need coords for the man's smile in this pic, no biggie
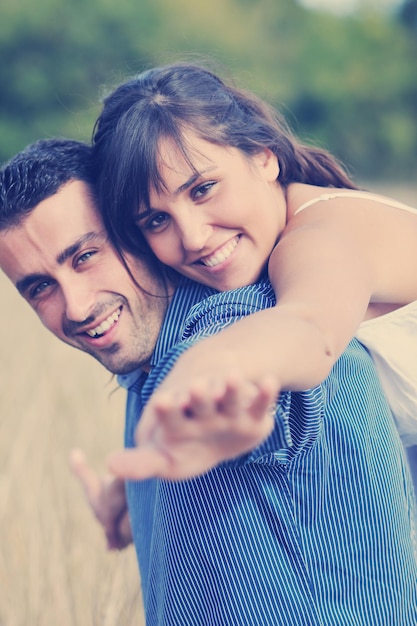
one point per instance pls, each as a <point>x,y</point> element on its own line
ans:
<point>105,325</point>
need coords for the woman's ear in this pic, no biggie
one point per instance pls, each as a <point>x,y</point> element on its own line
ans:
<point>268,165</point>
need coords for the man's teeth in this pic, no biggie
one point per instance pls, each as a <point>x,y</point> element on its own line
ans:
<point>220,255</point>
<point>105,325</point>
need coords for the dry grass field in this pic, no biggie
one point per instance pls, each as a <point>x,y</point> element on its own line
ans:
<point>54,569</point>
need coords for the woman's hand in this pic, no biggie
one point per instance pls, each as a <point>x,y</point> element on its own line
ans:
<point>178,438</point>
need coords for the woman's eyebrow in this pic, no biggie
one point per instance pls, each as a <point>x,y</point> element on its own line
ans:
<point>141,216</point>
<point>190,182</point>
<point>186,185</point>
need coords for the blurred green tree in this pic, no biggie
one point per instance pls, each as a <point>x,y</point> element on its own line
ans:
<point>56,57</point>
<point>349,84</point>
<point>408,15</point>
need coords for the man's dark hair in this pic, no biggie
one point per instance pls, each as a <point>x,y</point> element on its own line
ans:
<point>38,172</point>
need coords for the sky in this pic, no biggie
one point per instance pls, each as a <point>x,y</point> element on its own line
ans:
<point>345,7</point>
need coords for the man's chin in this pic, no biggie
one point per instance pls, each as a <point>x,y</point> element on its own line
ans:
<point>117,367</point>
<point>124,369</point>
<point>113,360</point>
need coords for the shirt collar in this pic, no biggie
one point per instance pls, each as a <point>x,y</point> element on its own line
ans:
<point>187,294</point>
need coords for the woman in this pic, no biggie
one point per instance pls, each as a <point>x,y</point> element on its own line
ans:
<point>212,180</point>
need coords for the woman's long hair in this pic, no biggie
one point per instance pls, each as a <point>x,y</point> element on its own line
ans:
<point>162,103</point>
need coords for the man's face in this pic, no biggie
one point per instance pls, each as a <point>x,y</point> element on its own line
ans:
<point>62,263</point>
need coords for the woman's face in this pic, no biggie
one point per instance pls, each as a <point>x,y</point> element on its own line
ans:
<point>216,222</point>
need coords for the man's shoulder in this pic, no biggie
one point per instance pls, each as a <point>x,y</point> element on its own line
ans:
<point>207,317</point>
<point>228,304</point>
<point>187,294</point>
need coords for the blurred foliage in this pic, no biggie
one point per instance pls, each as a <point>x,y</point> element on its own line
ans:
<point>349,84</point>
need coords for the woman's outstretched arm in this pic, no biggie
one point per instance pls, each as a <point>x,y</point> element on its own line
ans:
<point>325,271</point>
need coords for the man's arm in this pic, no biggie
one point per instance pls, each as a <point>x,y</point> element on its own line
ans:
<point>107,499</point>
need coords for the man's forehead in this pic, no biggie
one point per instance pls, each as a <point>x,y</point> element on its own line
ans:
<point>73,200</point>
<point>51,232</point>
<point>63,216</point>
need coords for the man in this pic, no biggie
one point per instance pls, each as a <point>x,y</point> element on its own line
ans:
<point>117,322</point>
<point>311,526</point>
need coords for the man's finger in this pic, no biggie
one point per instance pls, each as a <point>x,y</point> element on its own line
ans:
<point>120,536</point>
<point>89,480</point>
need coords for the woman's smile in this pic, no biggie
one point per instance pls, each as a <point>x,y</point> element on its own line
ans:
<point>215,221</point>
<point>221,254</point>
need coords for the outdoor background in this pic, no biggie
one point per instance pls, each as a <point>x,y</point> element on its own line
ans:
<point>344,73</point>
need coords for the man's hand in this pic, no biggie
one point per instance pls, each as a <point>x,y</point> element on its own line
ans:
<point>181,438</point>
<point>107,499</point>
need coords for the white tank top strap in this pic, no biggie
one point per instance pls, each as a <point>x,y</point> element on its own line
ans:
<point>352,193</point>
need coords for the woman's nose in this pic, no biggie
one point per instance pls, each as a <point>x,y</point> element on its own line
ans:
<point>194,235</point>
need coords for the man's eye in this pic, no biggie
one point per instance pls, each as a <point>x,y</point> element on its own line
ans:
<point>36,290</point>
<point>82,258</point>
<point>202,190</point>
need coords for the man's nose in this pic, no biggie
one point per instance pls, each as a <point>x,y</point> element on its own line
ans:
<point>79,299</point>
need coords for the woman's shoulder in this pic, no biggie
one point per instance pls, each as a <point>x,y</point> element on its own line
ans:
<point>301,197</point>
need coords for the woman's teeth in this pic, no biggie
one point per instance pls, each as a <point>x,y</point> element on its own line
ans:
<point>220,255</point>
<point>105,325</point>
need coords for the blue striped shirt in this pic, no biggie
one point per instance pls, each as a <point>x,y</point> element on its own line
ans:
<point>313,527</point>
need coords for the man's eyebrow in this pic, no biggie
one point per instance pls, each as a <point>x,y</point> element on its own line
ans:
<point>74,247</point>
<point>24,283</point>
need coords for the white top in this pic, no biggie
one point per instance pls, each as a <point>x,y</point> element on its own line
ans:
<point>391,340</point>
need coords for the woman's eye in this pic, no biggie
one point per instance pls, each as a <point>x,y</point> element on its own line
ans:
<point>156,222</point>
<point>202,190</point>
